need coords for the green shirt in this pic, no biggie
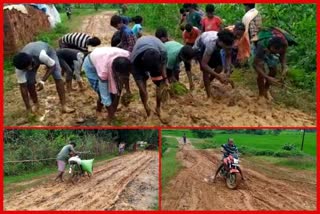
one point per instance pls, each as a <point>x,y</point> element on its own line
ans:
<point>173,49</point>
<point>64,153</point>
<point>195,19</point>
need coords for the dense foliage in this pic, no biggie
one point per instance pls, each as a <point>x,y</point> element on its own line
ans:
<point>43,144</point>
<point>298,19</point>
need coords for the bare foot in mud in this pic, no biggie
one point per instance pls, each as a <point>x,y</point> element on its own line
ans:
<point>80,120</point>
<point>66,109</point>
<point>268,96</point>
<point>101,116</point>
<point>81,86</point>
<point>165,119</point>
<point>148,111</point>
<point>35,108</point>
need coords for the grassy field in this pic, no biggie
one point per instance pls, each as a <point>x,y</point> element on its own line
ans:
<point>267,141</point>
<point>47,171</point>
<point>170,165</point>
<point>271,142</point>
<point>50,37</point>
<point>267,147</point>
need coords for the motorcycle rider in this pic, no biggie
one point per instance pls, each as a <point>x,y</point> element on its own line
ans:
<point>227,149</point>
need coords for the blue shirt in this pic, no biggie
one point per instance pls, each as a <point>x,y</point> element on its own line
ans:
<point>137,28</point>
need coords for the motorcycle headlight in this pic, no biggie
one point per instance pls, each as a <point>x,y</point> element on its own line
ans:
<point>236,161</point>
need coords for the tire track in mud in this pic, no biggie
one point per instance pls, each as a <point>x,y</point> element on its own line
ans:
<point>260,191</point>
<point>100,192</point>
<point>238,107</point>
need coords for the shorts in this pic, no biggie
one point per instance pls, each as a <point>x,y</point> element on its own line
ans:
<point>67,68</point>
<point>271,60</point>
<point>56,74</point>
<point>139,72</point>
<point>215,59</point>
<point>101,87</point>
<point>61,165</point>
<point>174,72</point>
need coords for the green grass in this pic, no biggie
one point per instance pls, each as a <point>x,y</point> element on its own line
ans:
<point>49,170</point>
<point>50,37</point>
<point>269,148</point>
<point>301,74</point>
<point>304,163</point>
<point>178,133</point>
<point>256,142</point>
<point>170,164</point>
<point>29,176</point>
<point>291,96</point>
<point>156,204</point>
<point>271,142</point>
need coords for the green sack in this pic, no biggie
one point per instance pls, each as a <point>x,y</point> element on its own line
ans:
<point>87,165</point>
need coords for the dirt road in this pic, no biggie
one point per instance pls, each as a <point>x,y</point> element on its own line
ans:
<point>265,187</point>
<point>129,182</point>
<point>238,107</point>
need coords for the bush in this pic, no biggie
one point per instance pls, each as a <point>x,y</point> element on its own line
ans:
<point>289,147</point>
<point>285,154</point>
<point>203,133</point>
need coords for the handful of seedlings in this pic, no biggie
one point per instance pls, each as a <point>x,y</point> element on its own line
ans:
<point>178,89</point>
<point>164,92</point>
<point>126,99</point>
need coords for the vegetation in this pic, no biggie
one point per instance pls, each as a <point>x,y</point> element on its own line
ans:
<point>44,144</point>
<point>281,147</point>
<point>170,164</point>
<point>298,19</point>
<point>50,37</point>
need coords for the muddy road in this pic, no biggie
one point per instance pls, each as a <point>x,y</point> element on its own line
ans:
<point>265,187</point>
<point>129,182</point>
<point>238,107</point>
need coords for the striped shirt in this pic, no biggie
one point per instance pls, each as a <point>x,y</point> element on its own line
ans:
<point>78,40</point>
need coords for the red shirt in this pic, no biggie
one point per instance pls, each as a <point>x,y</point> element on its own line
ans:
<point>192,36</point>
<point>213,24</point>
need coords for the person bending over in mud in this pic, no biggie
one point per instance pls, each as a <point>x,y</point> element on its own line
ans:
<point>149,57</point>
<point>162,34</point>
<point>26,64</point>
<point>208,47</point>
<point>79,41</point>
<point>227,149</point>
<point>176,53</point>
<point>137,27</point>
<point>240,52</point>
<point>271,49</point>
<point>71,62</point>
<point>128,39</point>
<point>66,152</point>
<point>107,70</point>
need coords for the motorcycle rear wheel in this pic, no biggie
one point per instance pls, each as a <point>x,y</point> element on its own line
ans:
<point>231,180</point>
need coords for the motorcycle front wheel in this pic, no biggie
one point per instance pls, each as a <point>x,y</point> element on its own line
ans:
<point>231,180</point>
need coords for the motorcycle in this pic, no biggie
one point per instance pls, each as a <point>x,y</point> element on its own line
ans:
<point>229,170</point>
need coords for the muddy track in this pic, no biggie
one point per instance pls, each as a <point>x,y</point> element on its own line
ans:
<point>238,107</point>
<point>107,189</point>
<point>268,189</point>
